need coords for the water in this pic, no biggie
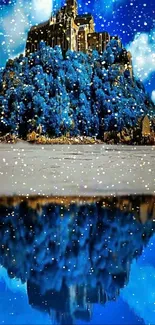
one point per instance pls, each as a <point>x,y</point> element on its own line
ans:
<point>76,170</point>
<point>77,260</point>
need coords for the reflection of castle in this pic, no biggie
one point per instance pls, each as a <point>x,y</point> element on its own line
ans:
<point>68,30</point>
<point>68,304</point>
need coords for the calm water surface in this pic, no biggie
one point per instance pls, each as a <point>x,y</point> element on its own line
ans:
<point>76,169</point>
<point>77,261</point>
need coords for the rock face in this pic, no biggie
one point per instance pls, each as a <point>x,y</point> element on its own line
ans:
<point>138,135</point>
<point>79,94</point>
<point>80,251</point>
<point>34,137</point>
<point>8,138</point>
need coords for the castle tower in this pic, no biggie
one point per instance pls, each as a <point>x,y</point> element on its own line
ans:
<point>72,7</point>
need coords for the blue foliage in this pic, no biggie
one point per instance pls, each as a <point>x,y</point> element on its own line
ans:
<point>77,94</point>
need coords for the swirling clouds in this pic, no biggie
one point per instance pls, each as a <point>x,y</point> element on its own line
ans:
<point>143,56</point>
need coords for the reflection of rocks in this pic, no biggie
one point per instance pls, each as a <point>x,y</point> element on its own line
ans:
<point>142,205</point>
<point>73,255</point>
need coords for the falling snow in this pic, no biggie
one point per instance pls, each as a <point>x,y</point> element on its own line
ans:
<point>77,223</point>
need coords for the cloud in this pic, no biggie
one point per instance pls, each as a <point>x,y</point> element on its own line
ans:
<point>15,26</point>
<point>153,96</point>
<point>143,54</point>
<point>18,310</point>
<point>139,293</point>
<point>42,9</point>
<point>15,22</point>
<point>13,284</point>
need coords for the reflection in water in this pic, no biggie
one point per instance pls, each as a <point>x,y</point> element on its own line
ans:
<point>73,253</point>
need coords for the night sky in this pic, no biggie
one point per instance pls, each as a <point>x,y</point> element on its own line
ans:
<point>132,20</point>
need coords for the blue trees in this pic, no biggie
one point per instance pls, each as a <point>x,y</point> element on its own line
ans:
<point>51,120</point>
<point>79,94</point>
<point>108,56</point>
<point>4,116</point>
<point>84,116</point>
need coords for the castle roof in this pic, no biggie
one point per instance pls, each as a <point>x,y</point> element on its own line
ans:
<point>83,19</point>
<point>44,24</point>
<point>84,15</point>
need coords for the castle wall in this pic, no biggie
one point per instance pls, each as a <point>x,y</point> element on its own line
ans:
<point>74,36</point>
<point>98,41</point>
<point>83,38</point>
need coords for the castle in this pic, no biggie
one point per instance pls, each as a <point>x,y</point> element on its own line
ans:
<point>69,30</point>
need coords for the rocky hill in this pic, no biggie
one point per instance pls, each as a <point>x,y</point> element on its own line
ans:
<point>78,94</point>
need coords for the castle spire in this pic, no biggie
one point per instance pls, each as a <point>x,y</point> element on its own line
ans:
<point>72,6</point>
